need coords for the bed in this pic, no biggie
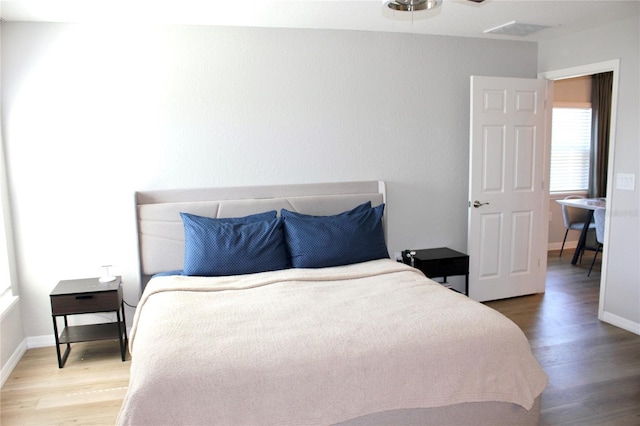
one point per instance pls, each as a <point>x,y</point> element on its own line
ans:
<point>350,338</point>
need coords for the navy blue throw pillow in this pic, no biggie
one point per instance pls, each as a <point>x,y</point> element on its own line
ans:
<point>217,247</point>
<point>322,241</point>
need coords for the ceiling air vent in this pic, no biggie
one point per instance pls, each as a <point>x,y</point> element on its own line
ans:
<point>514,28</point>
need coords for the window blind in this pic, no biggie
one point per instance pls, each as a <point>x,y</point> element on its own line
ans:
<point>570,149</point>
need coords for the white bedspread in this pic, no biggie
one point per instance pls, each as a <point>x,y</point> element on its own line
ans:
<point>317,346</point>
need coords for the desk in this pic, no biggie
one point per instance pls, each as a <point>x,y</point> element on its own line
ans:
<point>589,204</point>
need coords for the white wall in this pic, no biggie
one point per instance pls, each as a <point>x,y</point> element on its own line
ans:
<point>92,114</point>
<point>620,40</point>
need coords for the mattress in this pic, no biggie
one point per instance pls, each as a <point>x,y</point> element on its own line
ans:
<point>319,346</point>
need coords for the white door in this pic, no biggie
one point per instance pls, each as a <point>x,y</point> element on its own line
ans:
<point>508,199</point>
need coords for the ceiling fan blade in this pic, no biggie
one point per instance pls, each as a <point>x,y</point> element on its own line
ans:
<point>476,1</point>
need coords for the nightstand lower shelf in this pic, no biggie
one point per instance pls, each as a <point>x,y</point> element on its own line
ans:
<point>88,333</point>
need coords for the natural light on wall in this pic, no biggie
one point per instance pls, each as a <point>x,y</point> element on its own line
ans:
<point>74,90</point>
<point>95,95</point>
<point>570,149</point>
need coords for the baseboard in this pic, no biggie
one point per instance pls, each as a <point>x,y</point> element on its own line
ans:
<point>569,245</point>
<point>620,322</point>
<point>41,341</point>
<point>12,362</point>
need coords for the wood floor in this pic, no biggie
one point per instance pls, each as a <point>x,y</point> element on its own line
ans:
<point>593,368</point>
<point>87,391</point>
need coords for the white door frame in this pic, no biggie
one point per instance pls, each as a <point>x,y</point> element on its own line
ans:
<point>589,69</point>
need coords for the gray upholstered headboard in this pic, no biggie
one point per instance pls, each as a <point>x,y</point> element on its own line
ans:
<point>160,229</point>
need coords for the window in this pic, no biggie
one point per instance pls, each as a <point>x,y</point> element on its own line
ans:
<point>570,149</point>
<point>7,297</point>
<point>5,277</point>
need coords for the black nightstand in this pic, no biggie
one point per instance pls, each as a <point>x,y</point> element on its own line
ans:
<point>86,296</point>
<point>440,262</point>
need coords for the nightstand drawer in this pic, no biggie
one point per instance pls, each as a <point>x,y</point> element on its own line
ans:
<point>83,303</point>
<point>443,267</point>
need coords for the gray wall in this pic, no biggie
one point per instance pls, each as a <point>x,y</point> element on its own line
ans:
<point>620,40</point>
<point>91,115</point>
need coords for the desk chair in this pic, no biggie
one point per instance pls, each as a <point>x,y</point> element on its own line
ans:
<point>573,219</point>
<point>598,217</point>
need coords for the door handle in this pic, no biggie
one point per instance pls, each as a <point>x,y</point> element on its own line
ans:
<point>477,204</point>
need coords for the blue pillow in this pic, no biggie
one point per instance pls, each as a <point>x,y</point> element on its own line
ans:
<point>322,241</point>
<point>167,273</point>
<point>216,247</point>
<point>359,209</point>
<point>244,219</point>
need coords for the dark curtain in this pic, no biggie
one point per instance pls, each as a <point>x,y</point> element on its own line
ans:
<point>601,88</point>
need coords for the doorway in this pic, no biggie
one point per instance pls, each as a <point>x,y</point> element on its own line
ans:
<point>590,69</point>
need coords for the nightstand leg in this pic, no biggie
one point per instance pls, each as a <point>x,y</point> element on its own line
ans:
<point>466,284</point>
<point>122,322</point>
<point>126,338</point>
<point>64,356</point>
<point>120,339</point>
<point>61,358</point>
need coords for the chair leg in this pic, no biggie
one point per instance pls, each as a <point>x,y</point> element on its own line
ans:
<point>594,259</point>
<point>585,246</point>
<point>563,241</point>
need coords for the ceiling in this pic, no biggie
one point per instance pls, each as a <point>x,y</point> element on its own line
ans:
<point>454,17</point>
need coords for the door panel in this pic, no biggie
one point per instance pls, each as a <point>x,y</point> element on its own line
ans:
<point>490,253</point>
<point>524,154</point>
<point>506,175</point>
<point>493,176</point>
<point>521,240</point>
